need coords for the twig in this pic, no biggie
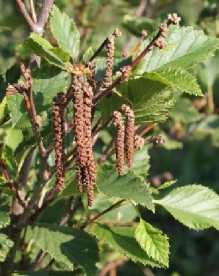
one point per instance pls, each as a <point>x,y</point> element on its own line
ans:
<point>33,12</point>
<point>26,15</point>
<point>112,265</point>
<point>103,212</point>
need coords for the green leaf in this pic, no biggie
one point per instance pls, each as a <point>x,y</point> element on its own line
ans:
<point>188,48</point>
<point>141,163</point>
<point>150,99</point>
<point>65,32</point>
<point>41,47</point>
<point>66,245</point>
<point>3,109</point>
<point>195,206</point>
<point>87,55</point>
<point>128,186</point>
<point>153,242</point>
<point>4,215</point>
<point>5,245</point>
<point>123,239</point>
<point>179,78</point>
<point>47,82</point>
<point>18,112</point>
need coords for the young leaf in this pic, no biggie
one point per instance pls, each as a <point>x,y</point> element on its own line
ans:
<point>66,245</point>
<point>41,47</point>
<point>4,215</point>
<point>141,162</point>
<point>150,100</point>
<point>167,184</point>
<point>3,109</point>
<point>153,242</point>
<point>195,206</point>
<point>128,186</point>
<point>189,47</point>
<point>65,32</point>
<point>87,55</point>
<point>123,239</point>
<point>5,245</point>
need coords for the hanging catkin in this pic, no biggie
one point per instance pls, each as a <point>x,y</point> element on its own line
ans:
<point>119,142</point>
<point>129,134</point>
<point>58,139</point>
<point>85,165</point>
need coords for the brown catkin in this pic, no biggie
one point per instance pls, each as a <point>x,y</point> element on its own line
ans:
<point>139,142</point>
<point>129,134</point>
<point>119,142</point>
<point>58,139</point>
<point>85,164</point>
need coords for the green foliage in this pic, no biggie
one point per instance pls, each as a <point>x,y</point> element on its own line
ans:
<point>66,245</point>
<point>56,229</point>
<point>198,210</point>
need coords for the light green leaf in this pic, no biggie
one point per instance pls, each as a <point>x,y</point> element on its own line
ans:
<point>4,215</point>
<point>41,47</point>
<point>179,78</point>
<point>195,206</point>
<point>3,109</point>
<point>153,242</point>
<point>66,245</point>
<point>167,184</point>
<point>123,239</point>
<point>150,99</point>
<point>189,47</point>
<point>5,245</point>
<point>128,186</point>
<point>65,32</point>
<point>87,55</point>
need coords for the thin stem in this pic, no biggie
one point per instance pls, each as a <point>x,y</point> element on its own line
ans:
<point>32,11</point>
<point>103,212</point>
<point>25,14</point>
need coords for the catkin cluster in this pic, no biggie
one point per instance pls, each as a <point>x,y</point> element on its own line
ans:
<point>58,139</point>
<point>85,165</point>
<point>124,142</point>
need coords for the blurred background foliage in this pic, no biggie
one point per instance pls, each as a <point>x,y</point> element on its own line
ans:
<point>192,130</point>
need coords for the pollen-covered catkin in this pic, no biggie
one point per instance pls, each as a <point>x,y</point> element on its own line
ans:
<point>139,142</point>
<point>129,134</point>
<point>58,139</point>
<point>119,142</point>
<point>85,164</point>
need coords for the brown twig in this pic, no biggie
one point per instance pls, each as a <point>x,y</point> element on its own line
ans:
<point>26,15</point>
<point>112,265</point>
<point>32,11</point>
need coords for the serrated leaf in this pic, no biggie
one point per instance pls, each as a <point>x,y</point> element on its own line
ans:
<point>18,112</point>
<point>65,32</point>
<point>41,47</point>
<point>153,242</point>
<point>195,206</point>
<point>87,55</point>
<point>66,245</point>
<point>5,245</point>
<point>47,82</point>
<point>179,78</point>
<point>4,215</point>
<point>123,239</point>
<point>141,163</point>
<point>167,184</point>
<point>150,100</point>
<point>189,48</point>
<point>128,186</point>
